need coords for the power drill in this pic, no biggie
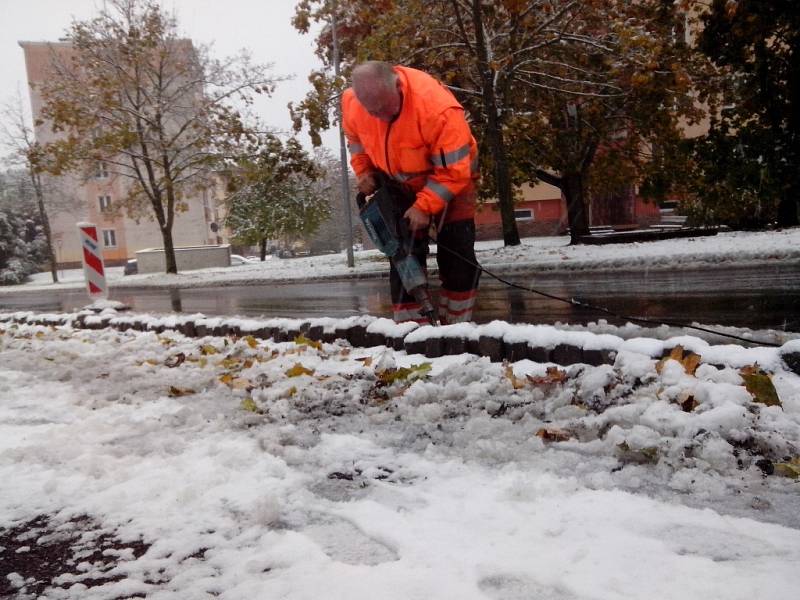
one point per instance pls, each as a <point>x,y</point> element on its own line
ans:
<point>382,216</point>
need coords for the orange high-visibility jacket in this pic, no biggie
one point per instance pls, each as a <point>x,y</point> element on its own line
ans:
<point>429,146</point>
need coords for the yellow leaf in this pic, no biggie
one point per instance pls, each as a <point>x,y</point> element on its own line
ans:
<point>207,349</point>
<point>39,334</point>
<point>226,378</point>
<point>516,382</point>
<point>789,469</point>
<point>176,391</point>
<point>302,340</point>
<point>367,360</point>
<point>298,370</point>
<point>291,391</point>
<point>389,376</point>
<point>251,341</point>
<point>152,361</point>
<point>230,363</point>
<point>760,386</point>
<point>250,405</point>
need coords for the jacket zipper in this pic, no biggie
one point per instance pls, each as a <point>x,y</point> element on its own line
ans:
<point>386,147</point>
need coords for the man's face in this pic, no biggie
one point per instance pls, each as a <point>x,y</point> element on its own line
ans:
<point>383,103</point>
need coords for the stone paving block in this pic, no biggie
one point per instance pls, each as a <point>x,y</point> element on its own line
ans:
<point>455,345</point>
<point>434,347</point>
<point>491,347</point>
<point>567,354</point>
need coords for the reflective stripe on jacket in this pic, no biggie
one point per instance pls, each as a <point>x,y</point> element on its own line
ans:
<point>429,146</point>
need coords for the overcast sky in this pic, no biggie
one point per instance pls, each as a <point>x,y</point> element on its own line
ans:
<point>261,26</point>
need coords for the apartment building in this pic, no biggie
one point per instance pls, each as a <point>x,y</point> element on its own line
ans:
<point>96,195</point>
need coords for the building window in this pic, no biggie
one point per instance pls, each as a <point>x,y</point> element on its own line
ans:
<point>523,214</point>
<point>105,203</point>
<point>109,238</point>
<point>102,170</point>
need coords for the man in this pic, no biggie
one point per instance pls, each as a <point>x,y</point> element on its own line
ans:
<point>404,124</point>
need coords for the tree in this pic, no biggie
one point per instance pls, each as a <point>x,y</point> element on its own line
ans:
<point>550,85</point>
<point>154,108</point>
<point>22,245</point>
<point>25,152</point>
<point>275,195</point>
<point>754,99</point>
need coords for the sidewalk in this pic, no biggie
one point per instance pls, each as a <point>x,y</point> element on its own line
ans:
<point>541,254</point>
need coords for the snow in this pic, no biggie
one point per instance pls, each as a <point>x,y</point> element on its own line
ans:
<point>537,254</point>
<point>338,486</point>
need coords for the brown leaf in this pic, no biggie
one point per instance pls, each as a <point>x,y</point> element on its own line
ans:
<point>689,403</point>
<point>553,375</point>
<point>175,391</point>
<point>553,434</point>
<point>367,360</point>
<point>174,361</point>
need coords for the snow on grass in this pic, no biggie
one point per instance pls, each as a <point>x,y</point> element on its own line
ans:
<point>537,253</point>
<point>282,470</point>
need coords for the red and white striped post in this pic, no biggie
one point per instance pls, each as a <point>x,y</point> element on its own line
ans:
<point>93,269</point>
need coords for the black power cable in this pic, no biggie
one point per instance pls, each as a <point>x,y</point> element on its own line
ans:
<point>586,305</point>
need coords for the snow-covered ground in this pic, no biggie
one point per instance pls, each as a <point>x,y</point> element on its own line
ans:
<point>236,468</point>
<point>534,254</point>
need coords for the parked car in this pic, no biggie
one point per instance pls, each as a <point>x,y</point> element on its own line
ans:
<point>131,267</point>
<point>237,260</point>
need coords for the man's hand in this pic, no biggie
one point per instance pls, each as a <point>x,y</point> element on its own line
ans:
<point>417,219</point>
<point>366,184</point>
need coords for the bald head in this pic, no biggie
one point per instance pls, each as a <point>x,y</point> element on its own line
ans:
<point>377,87</point>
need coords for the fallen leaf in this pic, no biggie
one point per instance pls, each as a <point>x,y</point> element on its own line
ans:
<point>553,434</point>
<point>516,382</point>
<point>251,341</point>
<point>367,360</point>
<point>298,370</point>
<point>789,469</point>
<point>175,391</point>
<point>689,403</point>
<point>302,340</point>
<point>250,405</point>
<point>552,375</point>
<point>291,391</point>
<point>230,363</point>
<point>207,349</point>
<point>641,456</point>
<point>174,361</point>
<point>152,361</point>
<point>760,386</point>
<point>389,376</point>
<point>226,378</point>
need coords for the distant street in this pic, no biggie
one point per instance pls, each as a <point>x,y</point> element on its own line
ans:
<point>758,298</point>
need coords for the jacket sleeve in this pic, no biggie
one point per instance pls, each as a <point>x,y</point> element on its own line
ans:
<point>359,160</point>
<point>452,153</point>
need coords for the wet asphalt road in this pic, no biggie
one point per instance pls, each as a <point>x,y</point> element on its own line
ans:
<point>758,298</point>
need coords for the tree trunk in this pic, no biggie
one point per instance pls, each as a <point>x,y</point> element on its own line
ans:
<point>48,236</point>
<point>576,207</point>
<point>169,250</point>
<point>787,209</point>
<point>494,133</point>
<point>262,245</point>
